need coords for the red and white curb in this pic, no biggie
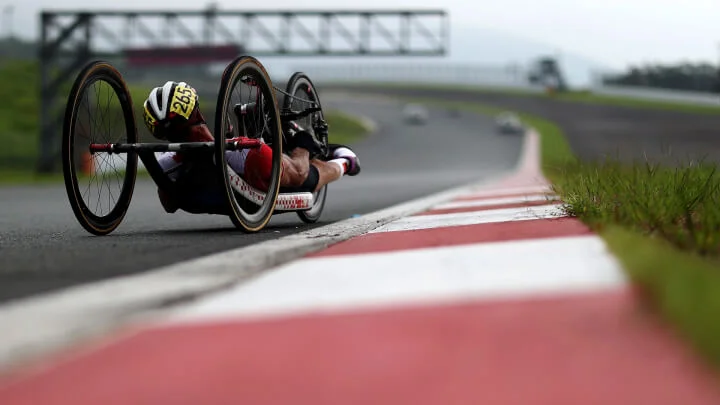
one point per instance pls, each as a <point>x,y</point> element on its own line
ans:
<point>492,297</point>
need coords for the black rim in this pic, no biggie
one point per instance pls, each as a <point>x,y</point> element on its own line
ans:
<point>99,185</point>
<point>245,81</point>
<point>301,94</point>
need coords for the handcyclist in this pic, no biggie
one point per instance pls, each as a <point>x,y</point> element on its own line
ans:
<point>172,113</point>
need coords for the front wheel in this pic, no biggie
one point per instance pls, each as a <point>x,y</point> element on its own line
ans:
<point>99,185</point>
<point>300,95</point>
<point>245,84</point>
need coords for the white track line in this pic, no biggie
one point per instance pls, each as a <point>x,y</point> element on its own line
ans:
<point>496,201</point>
<point>472,218</point>
<point>509,191</point>
<point>481,271</point>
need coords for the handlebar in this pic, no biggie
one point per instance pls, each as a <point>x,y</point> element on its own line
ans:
<point>285,113</point>
<point>289,114</point>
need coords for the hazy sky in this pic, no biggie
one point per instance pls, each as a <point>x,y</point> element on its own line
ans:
<point>616,32</point>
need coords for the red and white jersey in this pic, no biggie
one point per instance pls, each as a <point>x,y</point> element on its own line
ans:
<point>254,165</point>
<point>171,161</point>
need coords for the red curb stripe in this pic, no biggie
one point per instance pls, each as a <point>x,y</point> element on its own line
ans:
<point>487,207</point>
<point>594,349</point>
<point>457,235</point>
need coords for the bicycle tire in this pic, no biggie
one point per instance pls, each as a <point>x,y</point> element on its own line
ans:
<point>98,71</point>
<point>248,65</point>
<point>300,81</point>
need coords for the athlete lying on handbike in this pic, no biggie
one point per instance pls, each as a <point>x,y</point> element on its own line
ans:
<point>197,190</point>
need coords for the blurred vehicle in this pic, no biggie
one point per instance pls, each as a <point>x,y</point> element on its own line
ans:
<point>414,113</point>
<point>509,123</point>
<point>453,112</point>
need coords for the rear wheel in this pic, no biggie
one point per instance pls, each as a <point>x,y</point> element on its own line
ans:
<point>245,82</point>
<point>99,185</point>
<point>301,94</point>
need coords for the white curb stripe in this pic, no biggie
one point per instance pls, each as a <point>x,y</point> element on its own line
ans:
<point>480,271</point>
<point>501,192</point>
<point>472,218</point>
<point>497,201</point>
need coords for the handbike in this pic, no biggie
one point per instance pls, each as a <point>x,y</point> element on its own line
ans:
<point>100,97</point>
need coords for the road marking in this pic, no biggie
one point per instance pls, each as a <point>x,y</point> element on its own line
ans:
<point>471,218</point>
<point>522,198</point>
<point>503,192</point>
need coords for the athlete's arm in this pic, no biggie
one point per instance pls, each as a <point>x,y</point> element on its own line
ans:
<point>295,168</point>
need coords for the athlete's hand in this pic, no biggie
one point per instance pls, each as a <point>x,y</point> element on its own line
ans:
<point>303,139</point>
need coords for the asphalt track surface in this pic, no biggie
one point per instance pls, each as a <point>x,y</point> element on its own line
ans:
<point>596,131</point>
<point>43,248</point>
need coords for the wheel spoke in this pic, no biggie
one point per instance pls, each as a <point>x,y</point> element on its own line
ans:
<point>100,190</point>
<point>245,81</point>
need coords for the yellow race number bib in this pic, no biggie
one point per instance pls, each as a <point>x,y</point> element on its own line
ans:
<point>183,101</point>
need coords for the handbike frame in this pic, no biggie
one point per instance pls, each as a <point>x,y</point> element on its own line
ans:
<point>117,148</point>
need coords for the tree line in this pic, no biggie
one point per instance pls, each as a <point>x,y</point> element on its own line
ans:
<point>703,77</point>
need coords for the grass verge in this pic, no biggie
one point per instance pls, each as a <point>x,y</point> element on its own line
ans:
<point>588,97</point>
<point>10,177</point>
<point>19,114</point>
<point>678,205</point>
<point>344,128</point>
<point>682,287</point>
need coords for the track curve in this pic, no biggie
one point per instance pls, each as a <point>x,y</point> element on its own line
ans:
<point>597,131</point>
<point>42,248</point>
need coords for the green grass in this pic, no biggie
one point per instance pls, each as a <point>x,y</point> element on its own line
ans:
<point>19,106</point>
<point>680,205</point>
<point>344,128</point>
<point>20,177</point>
<point>681,287</point>
<point>586,97</point>
<point>19,126</point>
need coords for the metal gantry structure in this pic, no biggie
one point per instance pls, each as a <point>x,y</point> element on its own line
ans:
<point>69,39</point>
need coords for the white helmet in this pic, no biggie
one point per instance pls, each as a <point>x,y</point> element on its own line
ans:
<point>172,104</point>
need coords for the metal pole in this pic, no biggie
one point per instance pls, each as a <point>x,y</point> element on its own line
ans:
<point>8,20</point>
<point>45,163</point>
<point>718,69</point>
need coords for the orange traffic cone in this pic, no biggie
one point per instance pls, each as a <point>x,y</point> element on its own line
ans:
<point>88,164</point>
